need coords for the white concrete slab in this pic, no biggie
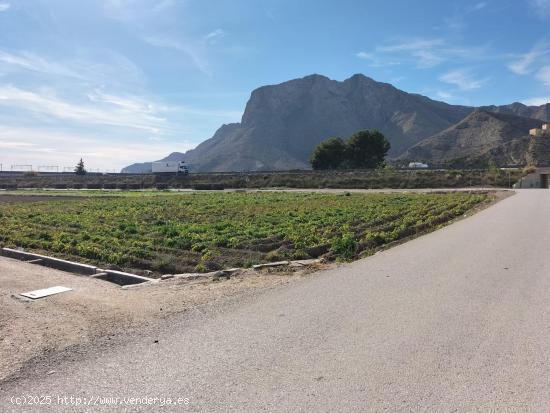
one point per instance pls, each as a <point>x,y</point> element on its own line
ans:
<point>45,292</point>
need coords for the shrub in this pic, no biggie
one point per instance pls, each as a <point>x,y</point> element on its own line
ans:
<point>344,247</point>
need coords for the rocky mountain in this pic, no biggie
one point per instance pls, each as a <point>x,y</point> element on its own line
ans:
<point>283,123</point>
<point>479,138</point>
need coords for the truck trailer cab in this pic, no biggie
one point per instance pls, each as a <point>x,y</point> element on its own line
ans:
<point>170,167</point>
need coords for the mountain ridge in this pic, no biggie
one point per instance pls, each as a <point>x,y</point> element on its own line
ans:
<point>283,123</point>
<point>481,137</point>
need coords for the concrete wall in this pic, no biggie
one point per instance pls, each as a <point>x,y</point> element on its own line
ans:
<point>533,180</point>
<point>528,181</point>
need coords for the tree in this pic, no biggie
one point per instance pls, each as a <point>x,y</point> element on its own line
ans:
<point>366,149</point>
<point>79,169</point>
<point>329,154</point>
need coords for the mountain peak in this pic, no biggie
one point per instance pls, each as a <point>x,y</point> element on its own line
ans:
<point>479,113</point>
<point>315,76</point>
<point>360,77</point>
<point>283,123</point>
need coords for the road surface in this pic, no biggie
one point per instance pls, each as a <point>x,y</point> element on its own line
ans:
<point>457,320</point>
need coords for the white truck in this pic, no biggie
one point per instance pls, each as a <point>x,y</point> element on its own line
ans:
<point>418,165</point>
<point>170,167</point>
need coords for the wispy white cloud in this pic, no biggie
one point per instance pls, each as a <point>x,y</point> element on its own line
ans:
<point>453,96</point>
<point>171,43</point>
<point>105,68</point>
<point>215,36</point>
<point>93,93</point>
<point>444,95</point>
<point>110,95</point>
<point>38,126</point>
<point>425,53</point>
<point>365,55</point>
<point>412,45</point>
<point>4,7</point>
<point>459,19</point>
<point>477,7</point>
<point>114,114</point>
<point>136,10</point>
<point>544,75</point>
<point>376,60</point>
<point>139,105</point>
<point>540,7</point>
<point>536,101</point>
<point>463,79</point>
<point>153,22</point>
<point>31,62</point>
<point>397,79</point>
<point>523,64</point>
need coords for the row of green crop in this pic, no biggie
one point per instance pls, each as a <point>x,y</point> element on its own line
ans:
<point>201,229</point>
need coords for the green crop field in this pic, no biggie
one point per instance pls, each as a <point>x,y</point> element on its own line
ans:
<point>208,231</point>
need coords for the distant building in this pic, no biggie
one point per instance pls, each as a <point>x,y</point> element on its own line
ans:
<point>538,157</point>
<point>543,131</point>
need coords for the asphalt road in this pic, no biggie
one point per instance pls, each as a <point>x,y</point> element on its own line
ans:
<point>457,320</point>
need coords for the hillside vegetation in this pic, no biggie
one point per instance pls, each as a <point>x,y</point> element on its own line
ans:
<point>481,138</point>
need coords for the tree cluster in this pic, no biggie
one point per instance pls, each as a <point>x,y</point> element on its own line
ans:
<point>365,149</point>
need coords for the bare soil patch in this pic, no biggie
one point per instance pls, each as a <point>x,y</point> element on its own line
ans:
<point>99,310</point>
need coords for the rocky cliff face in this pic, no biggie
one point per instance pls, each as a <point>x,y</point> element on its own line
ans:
<point>283,123</point>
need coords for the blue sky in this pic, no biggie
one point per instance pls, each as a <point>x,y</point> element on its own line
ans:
<point>118,81</point>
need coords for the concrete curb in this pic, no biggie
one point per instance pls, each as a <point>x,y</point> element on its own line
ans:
<point>127,280</point>
<point>143,284</point>
<point>59,264</point>
<point>116,277</point>
<point>123,278</point>
<point>229,272</point>
<point>195,276</point>
<point>271,264</point>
